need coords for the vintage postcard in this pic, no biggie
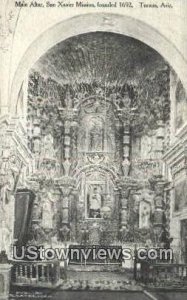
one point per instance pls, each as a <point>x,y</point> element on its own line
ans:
<point>93,149</point>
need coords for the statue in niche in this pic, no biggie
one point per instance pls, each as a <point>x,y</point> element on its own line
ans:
<point>47,211</point>
<point>126,164</point>
<point>9,176</point>
<point>48,156</point>
<point>48,150</point>
<point>66,166</point>
<point>68,101</point>
<point>9,172</point>
<point>65,233</point>
<point>181,101</point>
<point>95,201</point>
<point>144,214</point>
<point>96,135</point>
<point>147,147</point>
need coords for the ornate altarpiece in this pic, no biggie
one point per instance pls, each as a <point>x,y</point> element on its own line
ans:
<point>95,164</point>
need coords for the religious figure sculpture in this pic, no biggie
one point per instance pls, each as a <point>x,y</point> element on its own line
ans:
<point>48,151</point>
<point>47,211</point>
<point>144,214</point>
<point>48,156</point>
<point>95,202</point>
<point>65,233</point>
<point>67,166</point>
<point>68,101</point>
<point>96,135</point>
<point>126,166</point>
<point>9,172</point>
<point>147,147</point>
<point>9,175</point>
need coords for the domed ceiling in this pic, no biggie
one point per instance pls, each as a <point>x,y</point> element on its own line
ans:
<point>103,64</point>
<point>100,57</point>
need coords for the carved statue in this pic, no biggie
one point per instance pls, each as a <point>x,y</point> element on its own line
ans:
<point>67,166</point>
<point>68,101</point>
<point>95,202</point>
<point>96,135</point>
<point>126,166</point>
<point>147,147</point>
<point>145,217</point>
<point>37,211</point>
<point>65,233</point>
<point>9,172</point>
<point>48,150</point>
<point>47,211</point>
<point>145,207</point>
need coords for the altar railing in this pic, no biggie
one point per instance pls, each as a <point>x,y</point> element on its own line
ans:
<point>162,274</point>
<point>36,274</point>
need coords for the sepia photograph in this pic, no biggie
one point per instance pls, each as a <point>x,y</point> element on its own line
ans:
<point>93,150</point>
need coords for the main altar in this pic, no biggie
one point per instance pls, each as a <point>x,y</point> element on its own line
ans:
<point>98,165</point>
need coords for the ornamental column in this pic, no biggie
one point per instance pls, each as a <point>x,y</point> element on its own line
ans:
<point>126,185</point>
<point>159,209</point>
<point>126,150</point>
<point>124,203</point>
<point>69,116</point>
<point>66,185</point>
<point>36,141</point>
<point>67,139</point>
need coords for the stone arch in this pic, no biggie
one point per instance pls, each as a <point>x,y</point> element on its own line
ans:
<point>93,22</point>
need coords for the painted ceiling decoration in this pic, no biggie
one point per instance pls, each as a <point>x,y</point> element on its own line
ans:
<point>100,58</point>
<point>126,72</point>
